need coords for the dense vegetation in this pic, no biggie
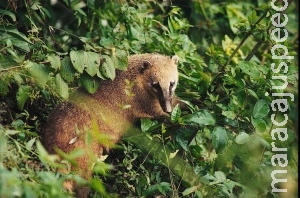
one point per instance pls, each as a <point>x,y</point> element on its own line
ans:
<point>222,145</point>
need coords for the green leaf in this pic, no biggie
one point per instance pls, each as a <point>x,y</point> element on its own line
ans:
<point>235,14</point>
<point>252,93</point>
<point>261,109</point>
<point>61,87</point>
<point>229,114</point>
<point>39,73</point>
<point>8,13</point>
<point>242,138</point>
<point>11,132</point>
<point>259,124</point>
<point>108,68</point>
<point>30,143</point>
<point>13,31</point>
<point>91,84</point>
<point>162,187</point>
<point>176,113</point>
<point>250,69</point>
<point>90,61</point>
<point>22,95</point>
<point>148,125</point>
<point>189,190</point>
<point>202,117</point>
<point>220,176</point>
<point>120,59</point>
<point>219,138</point>
<point>17,123</point>
<point>15,41</point>
<point>54,61</point>
<point>67,71</point>
<point>97,185</point>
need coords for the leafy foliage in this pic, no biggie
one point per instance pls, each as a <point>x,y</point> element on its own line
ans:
<point>210,149</point>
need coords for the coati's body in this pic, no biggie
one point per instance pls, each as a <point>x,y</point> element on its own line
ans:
<point>144,90</point>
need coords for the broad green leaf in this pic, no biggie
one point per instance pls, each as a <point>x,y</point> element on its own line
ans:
<point>12,132</point>
<point>22,95</point>
<point>202,117</point>
<point>120,59</point>
<point>181,138</point>
<point>189,190</point>
<point>176,113</point>
<point>91,84</point>
<point>54,61</point>
<point>17,123</point>
<point>172,155</point>
<point>252,93</point>
<point>15,41</point>
<point>97,185</point>
<point>13,31</point>
<point>30,143</point>
<point>259,124</point>
<point>162,187</point>
<point>242,138</point>
<point>260,110</point>
<point>220,176</point>
<point>108,68</point>
<point>147,124</point>
<point>77,59</point>
<point>250,69</point>
<point>39,73</point>
<point>8,13</point>
<point>235,14</point>
<point>61,87</point>
<point>219,138</point>
<point>67,71</point>
<point>229,114</point>
<point>88,61</point>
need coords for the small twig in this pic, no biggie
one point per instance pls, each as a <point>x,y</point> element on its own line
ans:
<point>254,50</point>
<point>11,68</point>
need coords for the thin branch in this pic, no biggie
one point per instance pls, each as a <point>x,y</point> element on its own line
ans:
<point>254,50</point>
<point>11,68</point>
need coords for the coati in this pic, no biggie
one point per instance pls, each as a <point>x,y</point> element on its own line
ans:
<point>144,90</point>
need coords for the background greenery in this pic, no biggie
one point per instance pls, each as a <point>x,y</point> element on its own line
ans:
<point>222,141</point>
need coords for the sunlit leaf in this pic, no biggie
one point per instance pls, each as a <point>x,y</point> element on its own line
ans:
<point>23,95</point>
<point>108,68</point>
<point>242,138</point>
<point>88,61</point>
<point>202,117</point>
<point>67,71</point>
<point>261,109</point>
<point>54,61</point>
<point>91,84</point>
<point>175,114</point>
<point>61,87</point>
<point>39,73</point>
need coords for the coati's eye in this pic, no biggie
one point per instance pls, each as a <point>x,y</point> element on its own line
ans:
<point>172,83</point>
<point>155,85</point>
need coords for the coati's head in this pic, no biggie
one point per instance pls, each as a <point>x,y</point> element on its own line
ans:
<point>159,76</point>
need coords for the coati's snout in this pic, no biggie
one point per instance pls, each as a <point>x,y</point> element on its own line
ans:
<point>165,96</point>
<point>162,78</point>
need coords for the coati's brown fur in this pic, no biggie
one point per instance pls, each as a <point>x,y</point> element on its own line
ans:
<point>144,90</point>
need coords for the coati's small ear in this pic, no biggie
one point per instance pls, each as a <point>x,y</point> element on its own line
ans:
<point>175,59</point>
<point>145,65</point>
